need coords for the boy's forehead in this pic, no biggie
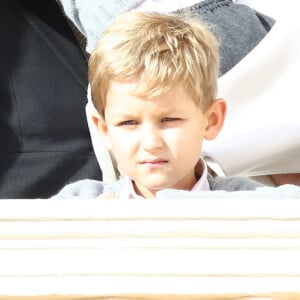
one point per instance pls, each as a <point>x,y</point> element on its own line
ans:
<point>124,85</point>
<point>129,86</point>
<point>121,101</point>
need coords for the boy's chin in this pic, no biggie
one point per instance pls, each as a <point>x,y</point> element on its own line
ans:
<point>152,188</point>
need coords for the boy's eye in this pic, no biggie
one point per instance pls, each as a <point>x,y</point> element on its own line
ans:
<point>127,123</point>
<point>168,119</point>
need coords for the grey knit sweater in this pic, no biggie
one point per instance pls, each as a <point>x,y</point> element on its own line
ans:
<point>221,187</point>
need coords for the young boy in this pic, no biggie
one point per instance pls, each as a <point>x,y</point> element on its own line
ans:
<point>153,80</point>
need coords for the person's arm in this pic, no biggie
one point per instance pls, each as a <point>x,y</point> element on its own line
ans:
<point>91,17</point>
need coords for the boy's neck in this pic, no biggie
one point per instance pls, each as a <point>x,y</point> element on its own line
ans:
<point>144,192</point>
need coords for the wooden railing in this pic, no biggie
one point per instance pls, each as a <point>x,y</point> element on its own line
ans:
<point>161,249</point>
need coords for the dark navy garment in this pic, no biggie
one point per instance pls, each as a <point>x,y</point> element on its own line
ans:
<point>44,137</point>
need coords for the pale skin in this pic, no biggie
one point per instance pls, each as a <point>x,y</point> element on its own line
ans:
<point>157,141</point>
<point>280,179</point>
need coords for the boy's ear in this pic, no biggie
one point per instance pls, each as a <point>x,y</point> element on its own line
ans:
<point>215,118</point>
<point>102,130</point>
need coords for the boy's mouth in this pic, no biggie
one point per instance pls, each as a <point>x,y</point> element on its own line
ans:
<point>154,161</point>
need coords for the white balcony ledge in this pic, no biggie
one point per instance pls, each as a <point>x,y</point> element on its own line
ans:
<point>161,249</point>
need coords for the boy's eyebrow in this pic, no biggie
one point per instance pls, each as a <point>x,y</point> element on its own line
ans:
<point>162,112</point>
<point>120,114</point>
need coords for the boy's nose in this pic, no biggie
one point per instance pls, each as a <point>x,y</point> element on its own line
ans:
<point>151,138</point>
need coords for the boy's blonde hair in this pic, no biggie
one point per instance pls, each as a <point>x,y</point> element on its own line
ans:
<point>161,51</point>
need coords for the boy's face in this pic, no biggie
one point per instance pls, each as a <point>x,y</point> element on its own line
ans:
<point>156,142</point>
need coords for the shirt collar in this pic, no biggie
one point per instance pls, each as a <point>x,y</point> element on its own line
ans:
<point>202,184</point>
<point>128,191</point>
<point>201,173</point>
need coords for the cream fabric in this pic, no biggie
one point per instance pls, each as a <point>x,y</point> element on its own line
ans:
<point>261,135</point>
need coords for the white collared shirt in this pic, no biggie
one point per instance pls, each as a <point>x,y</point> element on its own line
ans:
<point>202,184</point>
